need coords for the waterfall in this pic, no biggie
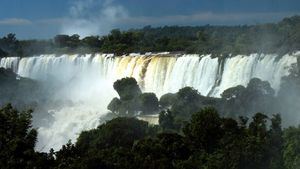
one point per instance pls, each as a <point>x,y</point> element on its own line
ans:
<point>87,80</point>
<point>9,63</point>
<point>158,73</point>
<point>240,69</point>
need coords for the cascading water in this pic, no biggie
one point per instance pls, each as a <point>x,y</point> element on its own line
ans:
<point>87,81</point>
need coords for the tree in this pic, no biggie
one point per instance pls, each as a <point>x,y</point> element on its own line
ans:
<point>127,88</point>
<point>131,100</point>
<point>258,96</point>
<point>66,41</point>
<point>166,120</point>
<point>92,42</point>
<point>3,53</point>
<point>291,150</point>
<point>11,45</point>
<point>119,132</point>
<point>114,105</point>
<point>74,41</point>
<point>162,151</point>
<point>204,130</point>
<point>61,40</point>
<point>257,142</point>
<point>258,126</point>
<point>17,138</point>
<point>259,87</point>
<point>67,156</point>
<point>167,100</point>
<point>187,102</point>
<point>276,143</point>
<point>233,92</point>
<point>148,103</point>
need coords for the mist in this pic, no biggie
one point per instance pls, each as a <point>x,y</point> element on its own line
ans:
<point>71,96</point>
<point>92,17</point>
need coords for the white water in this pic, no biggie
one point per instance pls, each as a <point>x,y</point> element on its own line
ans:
<point>87,81</point>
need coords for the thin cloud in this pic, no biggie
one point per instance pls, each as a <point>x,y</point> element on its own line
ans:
<point>15,22</point>
<point>205,17</point>
<point>51,21</point>
<point>209,18</point>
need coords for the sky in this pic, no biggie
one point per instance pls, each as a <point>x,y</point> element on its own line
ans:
<point>43,19</point>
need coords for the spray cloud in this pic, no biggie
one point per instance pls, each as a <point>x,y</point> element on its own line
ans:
<point>93,17</point>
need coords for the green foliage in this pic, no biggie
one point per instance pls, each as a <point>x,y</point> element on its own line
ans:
<point>276,143</point>
<point>127,88</point>
<point>162,151</point>
<point>257,96</point>
<point>120,42</point>
<point>187,102</point>
<point>3,53</point>
<point>119,132</point>
<point>166,120</point>
<point>17,138</point>
<point>114,105</point>
<point>148,103</point>
<point>10,45</point>
<point>167,100</point>
<point>132,101</point>
<point>67,156</point>
<point>291,152</point>
<point>67,41</point>
<point>281,38</point>
<point>129,91</point>
<point>91,43</point>
<point>209,141</point>
<point>234,92</point>
<point>204,130</point>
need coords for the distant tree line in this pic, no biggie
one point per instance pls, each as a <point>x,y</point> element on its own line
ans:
<point>282,37</point>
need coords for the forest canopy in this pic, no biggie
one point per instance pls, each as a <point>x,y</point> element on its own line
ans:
<point>206,141</point>
<point>282,37</point>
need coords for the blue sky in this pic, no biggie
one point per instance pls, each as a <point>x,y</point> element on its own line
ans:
<point>46,18</point>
